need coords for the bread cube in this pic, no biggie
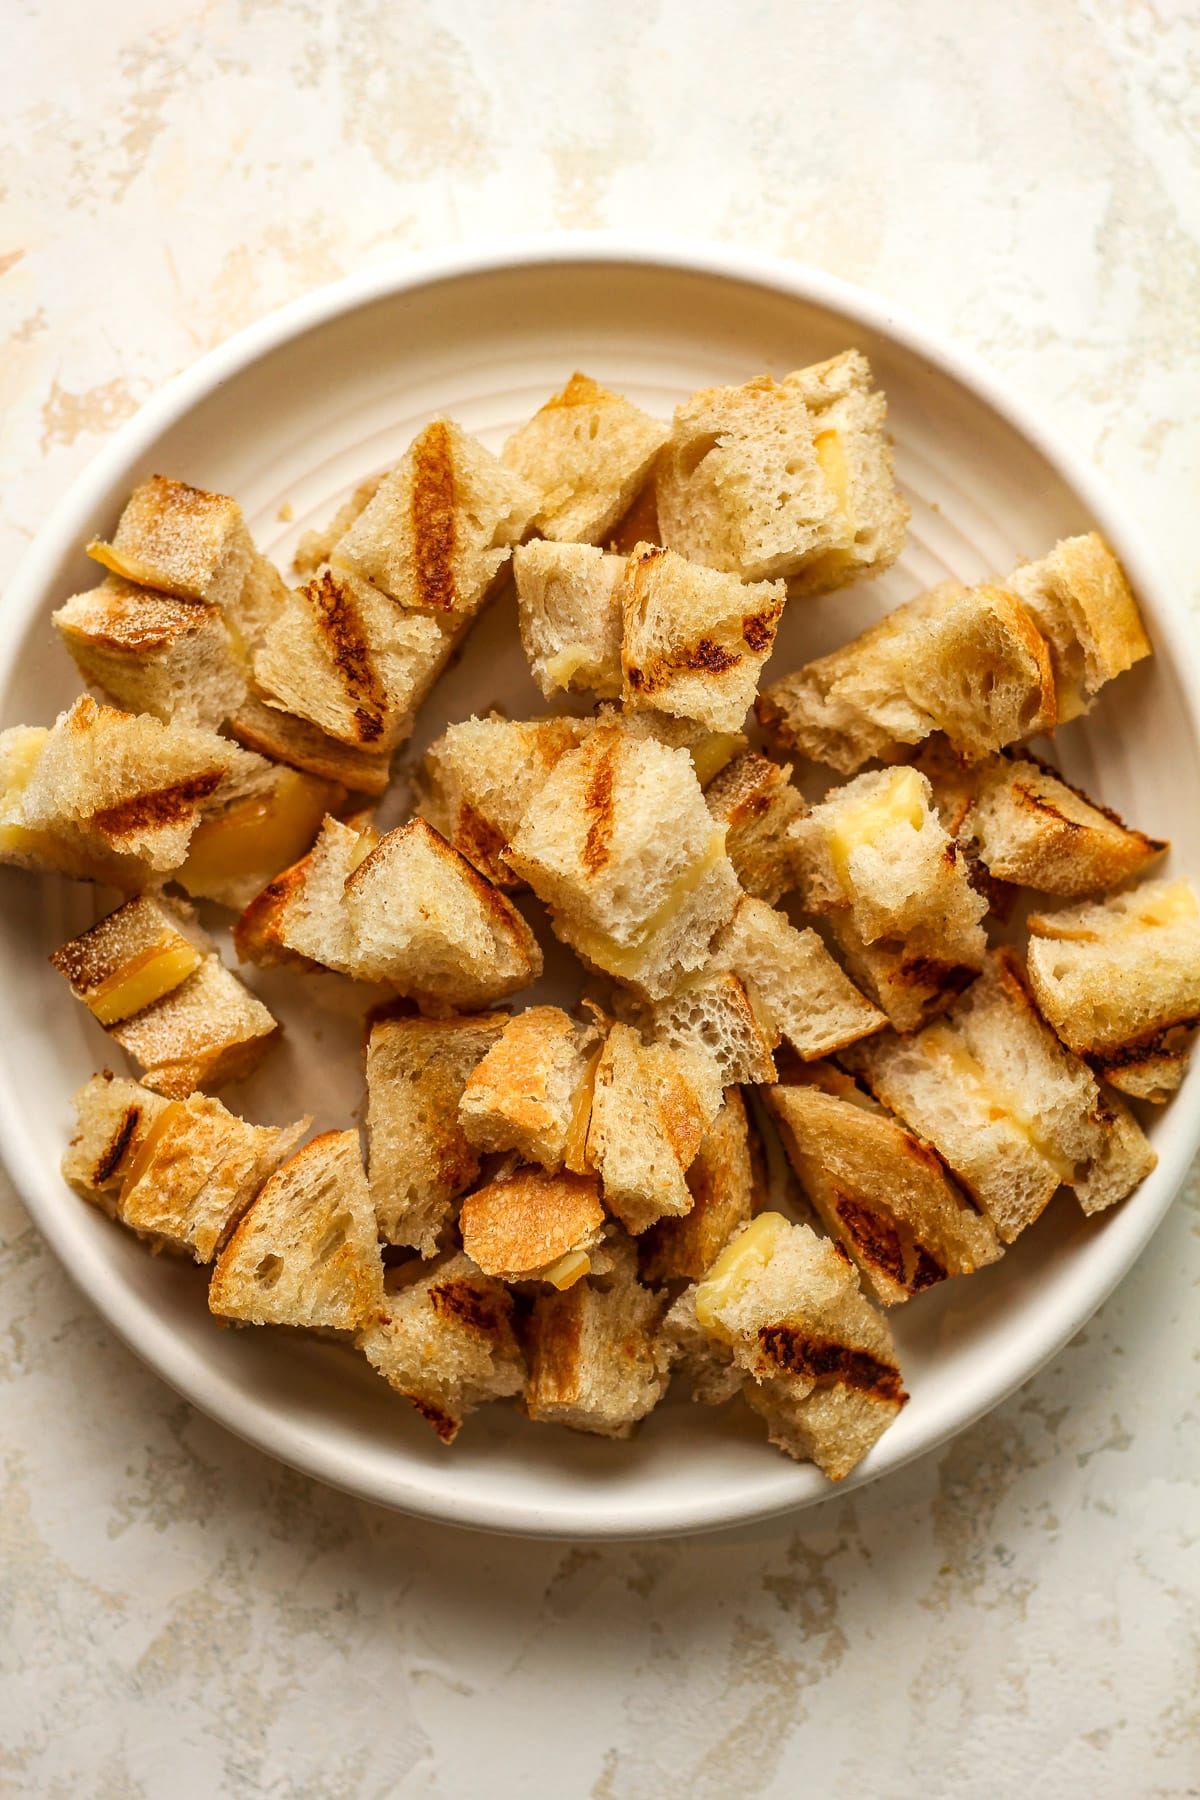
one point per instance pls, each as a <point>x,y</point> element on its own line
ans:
<point>534,1225</point>
<point>305,1253</point>
<point>712,1015</point>
<point>440,528</point>
<point>446,1343</point>
<point>179,540</point>
<point>233,853</point>
<point>756,802</point>
<point>349,661</point>
<point>694,641</point>
<point>152,653</point>
<point>969,662</point>
<point>208,1031</point>
<point>1029,826</point>
<point>482,774</point>
<point>650,1110</point>
<point>285,738</point>
<point>528,1091</point>
<point>588,452</point>
<point>726,1183</point>
<point>879,1190</point>
<point>180,1173</point>
<point>112,796</point>
<point>794,985</point>
<point>790,478</point>
<point>596,1360</point>
<point>638,903</point>
<point>422,919</point>
<point>570,616</point>
<point>1080,601</point>
<point>419,1157</point>
<point>1119,980</point>
<point>819,1361</point>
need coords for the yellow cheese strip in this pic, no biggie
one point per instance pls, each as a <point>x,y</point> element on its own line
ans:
<point>171,1115</point>
<point>257,837</point>
<point>560,668</point>
<point>713,752</point>
<point>737,1266</point>
<point>143,979</point>
<point>575,1149</point>
<point>567,1270</point>
<point>830,447</point>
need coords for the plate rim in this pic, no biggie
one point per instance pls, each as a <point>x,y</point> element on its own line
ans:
<point>135,1322</point>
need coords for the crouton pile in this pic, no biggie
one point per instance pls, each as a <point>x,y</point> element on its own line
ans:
<point>805,935</point>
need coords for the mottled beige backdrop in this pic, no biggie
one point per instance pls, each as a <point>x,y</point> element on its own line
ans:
<point>1017,1615</point>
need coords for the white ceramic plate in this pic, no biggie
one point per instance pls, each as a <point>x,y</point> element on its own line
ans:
<point>297,410</point>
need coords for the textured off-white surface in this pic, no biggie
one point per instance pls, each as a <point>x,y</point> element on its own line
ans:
<point>1015,1613</point>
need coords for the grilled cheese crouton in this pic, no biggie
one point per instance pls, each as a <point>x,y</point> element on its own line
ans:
<point>424,920</point>
<point>152,653</point>
<point>967,662</point>
<point>597,1362</point>
<point>712,1014</point>
<point>178,1172</point>
<point>525,1093</point>
<point>113,1118</point>
<point>152,978</point>
<point>181,541</point>
<point>300,916</point>
<point>1119,980</point>
<point>635,901</point>
<point>534,1225</point>
<point>284,738</point>
<point>419,1158</point>
<point>694,641</point>
<point>1011,1112</point>
<point>112,796</point>
<point>233,853</point>
<point>1029,826</point>
<point>446,1343</point>
<point>482,774</point>
<point>570,616</point>
<point>882,1193</point>
<point>790,478</point>
<point>404,909</point>
<point>349,661</point>
<point>819,1363</point>
<point>440,528</point>
<point>1080,601</point>
<point>132,958</point>
<point>755,801</point>
<point>588,453</point>
<point>208,1031</point>
<point>305,1253</point>
<point>795,987</point>
<point>650,1110</point>
<point>725,1181</point>
<point>876,858</point>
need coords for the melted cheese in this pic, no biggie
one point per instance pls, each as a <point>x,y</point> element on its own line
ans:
<point>899,801</point>
<point>830,447</point>
<point>168,1118</point>
<point>143,979</point>
<point>561,668</point>
<point>956,1062</point>
<point>567,1270</point>
<point>258,837</point>
<point>713,752</point>
<point>736,1269</point>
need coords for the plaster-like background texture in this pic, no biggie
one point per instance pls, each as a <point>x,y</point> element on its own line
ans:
<point>1017,1614</point>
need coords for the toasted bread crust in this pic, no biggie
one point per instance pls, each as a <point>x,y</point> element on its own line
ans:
<point>824,1362</point>
<point>433,523</point>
